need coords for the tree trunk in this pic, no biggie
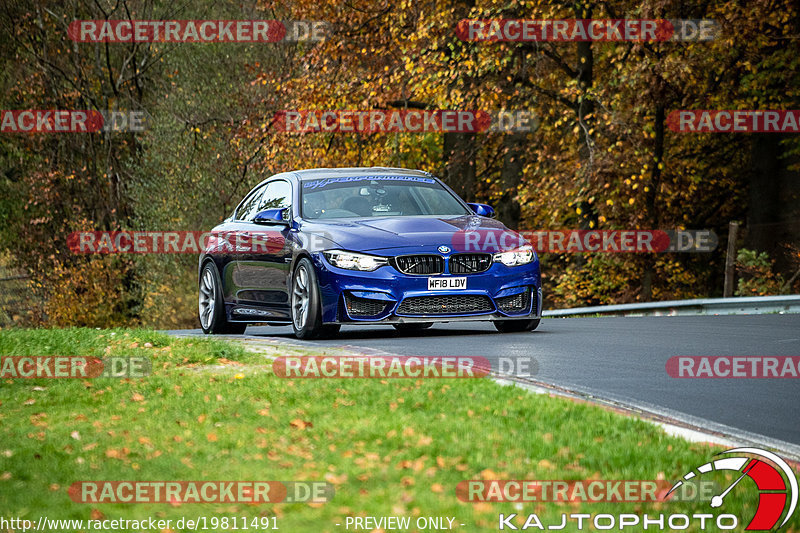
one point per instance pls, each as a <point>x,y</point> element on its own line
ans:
<point>651,211</point>
<point>763,207</point>
<point>459,163</point>
<point>508,208</point>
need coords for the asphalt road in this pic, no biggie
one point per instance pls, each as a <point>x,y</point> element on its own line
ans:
<point>623,359</point>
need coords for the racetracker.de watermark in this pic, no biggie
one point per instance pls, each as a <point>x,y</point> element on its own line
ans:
<point>402,367</point>
<point>581,490</point>
<point>175,242</point>
<point>71,121</point>
<point>380,367</point>
<point>733,367</point>
<point>73,367</point>
<point>734,121</point>
<point>370,121</point>
<point>179,492</point>
<point>582,241</point>
<point>197,31</point>
<point>575,30</point>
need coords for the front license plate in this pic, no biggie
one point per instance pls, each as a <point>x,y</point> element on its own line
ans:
<point>444,284</point>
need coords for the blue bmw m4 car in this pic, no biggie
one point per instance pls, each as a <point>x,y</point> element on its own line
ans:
<point>324,247</point>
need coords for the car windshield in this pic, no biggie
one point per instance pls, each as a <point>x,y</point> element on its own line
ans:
<point>378,196</point>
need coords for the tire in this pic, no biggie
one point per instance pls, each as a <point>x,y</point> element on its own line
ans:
<point>211,306</point>
<point>306,304</point>
<point>412,326</point>
<point>516,326</point>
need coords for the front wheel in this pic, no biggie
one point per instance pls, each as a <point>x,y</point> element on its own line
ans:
<point>516,326</point>
<point>306,304</point>
<point>211,306</point>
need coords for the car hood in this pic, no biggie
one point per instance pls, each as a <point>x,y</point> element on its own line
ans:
<point>373,234</point>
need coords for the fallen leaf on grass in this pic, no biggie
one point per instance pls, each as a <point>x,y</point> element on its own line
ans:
<point>488,474</point>
<point>544,463</point>
<point>332,478</point>
<point>482,507</point>
<point>424,440</point>
<point>113,453</point>
<point>300,424</point>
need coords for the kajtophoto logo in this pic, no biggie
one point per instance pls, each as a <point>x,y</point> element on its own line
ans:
<point>773,477</point>
<point>775,498</point>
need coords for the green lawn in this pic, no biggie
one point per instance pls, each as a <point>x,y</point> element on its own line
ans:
<point>213,410</point>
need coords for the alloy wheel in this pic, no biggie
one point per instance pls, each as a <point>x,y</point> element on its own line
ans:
<point>207,299</point>
<point>300,297</point>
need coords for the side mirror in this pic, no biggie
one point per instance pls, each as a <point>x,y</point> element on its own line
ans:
<point>482,210</point>
<point>271,217</point>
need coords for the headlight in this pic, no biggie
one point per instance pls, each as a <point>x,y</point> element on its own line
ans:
<point>354,261</point>
<point>520,256</point>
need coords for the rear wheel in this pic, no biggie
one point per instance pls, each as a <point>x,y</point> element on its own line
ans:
<point>306,304</point>
<point>211,306</point>
<point>412,326</point>
<point>516,326</point>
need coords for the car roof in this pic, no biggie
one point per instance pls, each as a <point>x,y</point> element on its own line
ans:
<point>316,173</point>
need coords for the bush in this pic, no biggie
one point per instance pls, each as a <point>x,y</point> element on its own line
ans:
<point>756,275</point>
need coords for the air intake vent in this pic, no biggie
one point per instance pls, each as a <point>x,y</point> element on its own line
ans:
<point>470,263</point>
<point>419,265</point>
<point>363,307</point>
<point>445,305</point>
<point>514,304</point>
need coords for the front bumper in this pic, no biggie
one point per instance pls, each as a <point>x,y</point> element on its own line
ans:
<point>378,297</point>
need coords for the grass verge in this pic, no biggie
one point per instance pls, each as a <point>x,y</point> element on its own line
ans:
<point>213,410</point>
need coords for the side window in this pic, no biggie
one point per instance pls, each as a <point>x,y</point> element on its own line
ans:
<point>277,195</point>
<point>248,209</point>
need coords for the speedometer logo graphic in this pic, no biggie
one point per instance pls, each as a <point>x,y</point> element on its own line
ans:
<point>774,496</point>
